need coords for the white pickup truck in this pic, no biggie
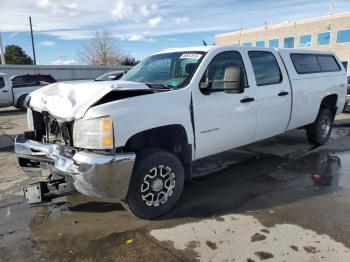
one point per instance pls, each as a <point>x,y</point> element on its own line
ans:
<point>135,139</point>
<point>14,95</point>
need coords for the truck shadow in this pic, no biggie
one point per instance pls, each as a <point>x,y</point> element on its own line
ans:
<point>249,185</point>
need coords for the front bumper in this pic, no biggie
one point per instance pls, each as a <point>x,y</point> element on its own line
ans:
<point>92,174</point>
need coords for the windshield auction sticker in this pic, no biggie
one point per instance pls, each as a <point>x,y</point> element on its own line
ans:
<point>190,56</point>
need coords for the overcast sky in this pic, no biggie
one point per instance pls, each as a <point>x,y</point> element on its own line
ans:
<point>141,27</point>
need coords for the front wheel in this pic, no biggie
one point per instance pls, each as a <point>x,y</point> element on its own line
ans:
<point>156,183</point>
<point>319,132</point>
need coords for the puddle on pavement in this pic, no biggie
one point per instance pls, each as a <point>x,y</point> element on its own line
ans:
<point>325,169</point>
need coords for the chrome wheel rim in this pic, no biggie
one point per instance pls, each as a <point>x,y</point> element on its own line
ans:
<point>158,186</point>
<point>325,126</point>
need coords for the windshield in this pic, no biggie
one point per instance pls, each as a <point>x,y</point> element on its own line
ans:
<point>170,69</point>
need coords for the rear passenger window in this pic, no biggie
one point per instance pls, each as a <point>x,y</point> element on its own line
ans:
<point>2,82</point>
<point>312,63</point>
<point>265,66</point>
<point>328,63</point>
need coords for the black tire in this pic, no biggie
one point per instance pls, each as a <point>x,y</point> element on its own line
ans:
<point>21,103</point>
<point>318,133</point>
<point>146,161</point>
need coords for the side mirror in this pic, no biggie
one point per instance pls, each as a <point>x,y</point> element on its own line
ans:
<point>205,86</point>
<point>233,80</point>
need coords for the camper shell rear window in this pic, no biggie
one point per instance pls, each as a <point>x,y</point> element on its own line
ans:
<point>314,63</point>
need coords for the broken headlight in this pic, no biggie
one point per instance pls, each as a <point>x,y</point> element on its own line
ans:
<point>94,133</point>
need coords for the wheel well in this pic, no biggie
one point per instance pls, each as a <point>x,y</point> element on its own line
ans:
<point>171,137</point>
<point>330,102</point>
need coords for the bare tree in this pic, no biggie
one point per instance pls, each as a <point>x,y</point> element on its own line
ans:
<point>101,51</point>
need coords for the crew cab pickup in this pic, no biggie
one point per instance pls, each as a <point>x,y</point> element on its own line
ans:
<point>13,91</point>
<point>135,139</point>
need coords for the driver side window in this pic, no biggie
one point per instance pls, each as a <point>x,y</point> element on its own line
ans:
<point>215,72</point>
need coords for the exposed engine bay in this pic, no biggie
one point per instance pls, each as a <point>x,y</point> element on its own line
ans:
<point>52,131</point>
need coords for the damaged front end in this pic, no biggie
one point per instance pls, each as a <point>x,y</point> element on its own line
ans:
<point>97,173</point>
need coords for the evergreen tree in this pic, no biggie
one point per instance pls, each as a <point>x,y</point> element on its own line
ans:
<point>15,55</point>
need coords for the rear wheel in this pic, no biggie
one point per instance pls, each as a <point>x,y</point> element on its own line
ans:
<point>319,132</point>
<point>21,103</point>
<point>156,183</point>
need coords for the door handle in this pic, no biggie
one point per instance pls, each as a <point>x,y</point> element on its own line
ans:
<point>283,93</point>
<point>5,91</point>
<point>247,100</point>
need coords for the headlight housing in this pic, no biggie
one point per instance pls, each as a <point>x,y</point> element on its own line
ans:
<point>94,133</point>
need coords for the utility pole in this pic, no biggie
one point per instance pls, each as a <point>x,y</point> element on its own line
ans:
<point>2,55</point>
<point>31,33</point>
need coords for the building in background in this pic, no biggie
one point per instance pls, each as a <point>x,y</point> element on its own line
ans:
<point>330,32</point>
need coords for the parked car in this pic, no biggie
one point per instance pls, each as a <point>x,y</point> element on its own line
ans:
<point>111,76</point>
<point>136,139</point>
<point>347,106</point>
<point>13,91</point>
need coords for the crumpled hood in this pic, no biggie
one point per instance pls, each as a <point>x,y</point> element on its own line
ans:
<point>69,101</point>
